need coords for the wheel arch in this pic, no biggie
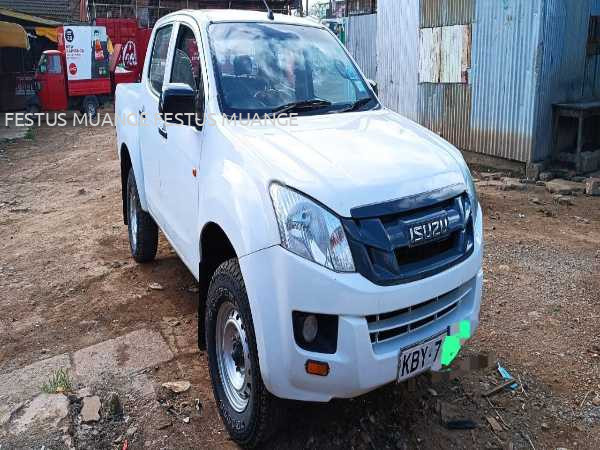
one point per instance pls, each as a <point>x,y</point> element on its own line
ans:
<point>130,162</point>
<point>125,168</point>
<point>215,248</point>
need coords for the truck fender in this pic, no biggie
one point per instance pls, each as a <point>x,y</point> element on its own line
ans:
<point>241,206</point>
<point>128,140</point>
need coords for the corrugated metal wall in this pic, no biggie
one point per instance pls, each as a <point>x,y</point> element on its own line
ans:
<point>525,55</point>
<point>361,42</point>
<point>397,55</point>
<point>504,74</point>
<point>567,73</point>
<point>445,107</point>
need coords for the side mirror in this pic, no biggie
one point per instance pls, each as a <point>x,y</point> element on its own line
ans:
<point>177,104</point>
<point>374,86</point>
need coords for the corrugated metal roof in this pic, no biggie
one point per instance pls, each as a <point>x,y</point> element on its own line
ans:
<point>49,9</point>
<point>28,18</point>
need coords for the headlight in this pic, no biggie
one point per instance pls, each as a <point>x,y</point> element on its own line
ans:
<point>310,231</point>
<point>471,191</point>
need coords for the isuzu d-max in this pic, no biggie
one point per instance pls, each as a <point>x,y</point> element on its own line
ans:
<point>337,251</point>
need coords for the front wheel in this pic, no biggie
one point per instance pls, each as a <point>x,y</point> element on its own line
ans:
<point>250,413</point>
<point>142,230</point>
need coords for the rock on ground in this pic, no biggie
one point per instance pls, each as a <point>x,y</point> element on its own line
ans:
<point>564,187</point>
<point>592,186</point>
<point>90,410</point>
<point>177,386</point>
<point>512,184</point>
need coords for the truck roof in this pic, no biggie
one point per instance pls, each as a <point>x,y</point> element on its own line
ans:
<point>239,15</point>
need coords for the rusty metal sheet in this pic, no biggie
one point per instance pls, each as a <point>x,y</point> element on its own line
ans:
<point>441,13</point>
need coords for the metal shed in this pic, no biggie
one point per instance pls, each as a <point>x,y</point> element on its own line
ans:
<point>484,74</point>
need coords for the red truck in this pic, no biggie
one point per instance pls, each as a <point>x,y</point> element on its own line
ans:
<point>83,72</point>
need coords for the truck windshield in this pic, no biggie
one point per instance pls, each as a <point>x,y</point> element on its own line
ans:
<point>268,68</point>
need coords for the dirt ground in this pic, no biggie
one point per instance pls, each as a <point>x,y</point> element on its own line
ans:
<point>67,282</point>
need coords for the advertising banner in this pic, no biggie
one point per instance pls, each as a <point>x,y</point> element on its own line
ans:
<point>86,51</point>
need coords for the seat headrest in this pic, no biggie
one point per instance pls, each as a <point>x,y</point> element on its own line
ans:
<point>242,65</point>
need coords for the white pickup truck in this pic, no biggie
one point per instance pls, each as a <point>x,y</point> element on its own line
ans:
<point>336,252</point>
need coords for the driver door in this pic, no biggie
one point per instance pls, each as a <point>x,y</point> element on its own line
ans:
<point>53,85</point>
<point>180,161</point>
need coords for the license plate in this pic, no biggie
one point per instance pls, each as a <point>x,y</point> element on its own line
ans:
<point>419,358</point>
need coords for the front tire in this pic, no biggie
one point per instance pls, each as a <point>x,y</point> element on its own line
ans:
<point>250,413</point>
<point>143,231</point>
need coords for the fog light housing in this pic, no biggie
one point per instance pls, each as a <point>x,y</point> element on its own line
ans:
<point>315,332</point>
<point>310,328</point>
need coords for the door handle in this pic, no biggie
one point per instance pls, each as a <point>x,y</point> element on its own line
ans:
<point>162,132</point>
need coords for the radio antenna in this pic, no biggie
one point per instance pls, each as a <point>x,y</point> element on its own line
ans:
<point>269,11</point>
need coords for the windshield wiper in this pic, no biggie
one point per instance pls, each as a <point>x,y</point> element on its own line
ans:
<point>356,105</point>
<point>305,105</point>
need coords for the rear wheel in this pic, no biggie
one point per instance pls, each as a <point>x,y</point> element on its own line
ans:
<point>33,108</point>
<point>90,106</point>
<point>143,232</point>
<point>250,413</point>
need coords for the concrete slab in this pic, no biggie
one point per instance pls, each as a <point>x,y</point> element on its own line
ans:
<point>121,356</point>
<point>24,383</point>
<point>45,412</point>
<point>9,131</point>
<point>27,380</point>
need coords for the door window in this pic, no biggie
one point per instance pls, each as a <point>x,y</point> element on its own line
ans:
<point>54,64</point>
<point>186,59</point>
<point>158,58</point>
<point>43,64</point>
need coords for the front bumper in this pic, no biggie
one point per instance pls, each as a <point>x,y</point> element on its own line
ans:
<point>279,282</point>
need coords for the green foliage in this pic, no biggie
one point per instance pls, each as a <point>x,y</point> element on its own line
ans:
<point>58,383</point>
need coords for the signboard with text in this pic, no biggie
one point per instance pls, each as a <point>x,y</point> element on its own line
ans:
<point>86,51</point>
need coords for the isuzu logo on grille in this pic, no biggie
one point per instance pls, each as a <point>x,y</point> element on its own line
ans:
<point>428,231</point>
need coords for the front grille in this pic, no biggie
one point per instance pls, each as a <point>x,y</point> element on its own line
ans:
<point>392,325</point>
<point>411,255</point>
<point>379,236</point>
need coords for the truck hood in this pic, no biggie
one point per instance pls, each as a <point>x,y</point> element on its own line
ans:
<point>352,159</point>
